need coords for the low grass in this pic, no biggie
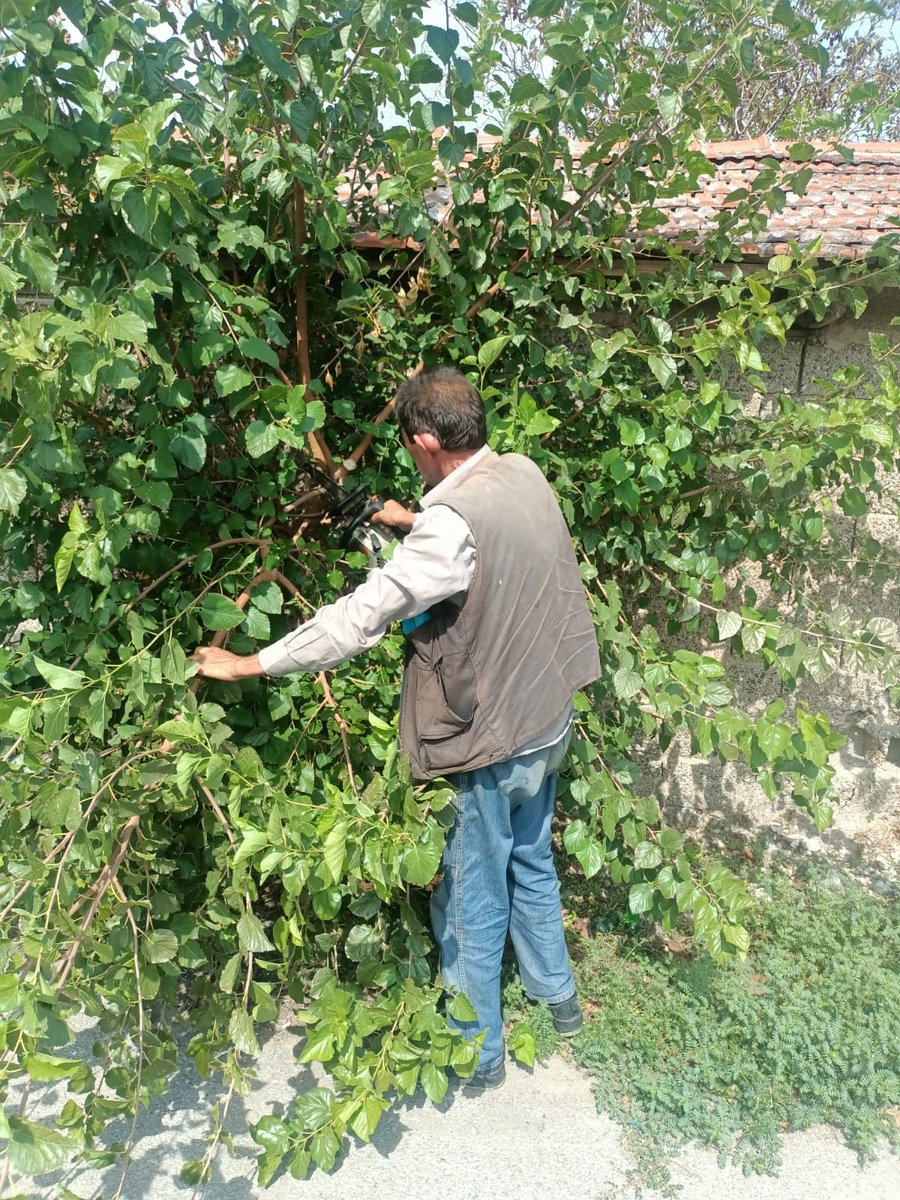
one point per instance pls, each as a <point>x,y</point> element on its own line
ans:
<point>806,1031</point>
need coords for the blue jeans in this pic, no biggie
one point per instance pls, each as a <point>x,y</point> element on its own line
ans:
<point>499,878</point>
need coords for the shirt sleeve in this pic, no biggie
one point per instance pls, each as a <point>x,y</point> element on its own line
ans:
<point>436,560</point>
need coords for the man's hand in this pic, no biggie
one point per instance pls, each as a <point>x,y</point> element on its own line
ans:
<point>215,663</point>
<point>395,514</point>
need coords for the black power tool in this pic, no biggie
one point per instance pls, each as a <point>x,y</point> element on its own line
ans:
<point>350,515</point>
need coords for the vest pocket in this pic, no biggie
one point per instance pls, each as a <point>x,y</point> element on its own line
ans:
<point>445,701</point>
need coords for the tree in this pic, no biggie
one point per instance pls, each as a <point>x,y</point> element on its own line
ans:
<point>206,303</point>
<point>840,80</point>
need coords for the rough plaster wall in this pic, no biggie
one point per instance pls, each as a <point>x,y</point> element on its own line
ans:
<point>721,802</point>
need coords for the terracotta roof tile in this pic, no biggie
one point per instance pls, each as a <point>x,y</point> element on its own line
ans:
<point>850,203</point>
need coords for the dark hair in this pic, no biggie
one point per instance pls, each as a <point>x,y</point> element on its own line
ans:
<point>445,404</point>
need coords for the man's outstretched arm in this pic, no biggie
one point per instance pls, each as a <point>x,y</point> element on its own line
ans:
<point>435,561</point>
<point>215,663</point>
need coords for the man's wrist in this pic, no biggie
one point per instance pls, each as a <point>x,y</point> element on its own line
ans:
<point>247,666</point>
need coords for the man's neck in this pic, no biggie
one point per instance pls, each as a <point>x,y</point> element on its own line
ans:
<point>463,461</point>
<point>451,459</point>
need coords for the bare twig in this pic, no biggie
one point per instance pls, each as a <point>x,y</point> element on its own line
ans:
<point>104,881</point>
<point>341,724</point>
<point>216,807</point>
<point>135,934</point>
<point>226,1103</point>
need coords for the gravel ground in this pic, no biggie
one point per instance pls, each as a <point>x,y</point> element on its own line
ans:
<point>539,1137</point>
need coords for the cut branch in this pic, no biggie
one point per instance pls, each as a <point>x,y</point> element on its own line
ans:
<point>104,881</point>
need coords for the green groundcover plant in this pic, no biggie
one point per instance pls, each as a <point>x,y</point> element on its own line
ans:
<point>805,1031</point>
<point>205,302</point>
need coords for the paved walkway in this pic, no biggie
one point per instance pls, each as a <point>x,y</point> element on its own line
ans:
<point>537,1138</point>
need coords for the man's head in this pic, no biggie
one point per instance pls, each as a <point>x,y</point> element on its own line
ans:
<point>441,419</point>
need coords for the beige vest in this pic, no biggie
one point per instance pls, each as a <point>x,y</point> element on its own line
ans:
<point>489,676</point>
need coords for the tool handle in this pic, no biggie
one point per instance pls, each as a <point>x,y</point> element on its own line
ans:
<point>373,505</point>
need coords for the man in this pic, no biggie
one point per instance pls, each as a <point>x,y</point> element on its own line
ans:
<point>504,639</point>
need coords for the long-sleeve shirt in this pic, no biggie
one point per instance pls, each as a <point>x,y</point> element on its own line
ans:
<point>434,562</point>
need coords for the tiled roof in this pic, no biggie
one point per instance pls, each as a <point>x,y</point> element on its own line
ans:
<point>850,204</point>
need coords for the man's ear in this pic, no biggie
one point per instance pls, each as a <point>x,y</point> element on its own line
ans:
<point>427,442</point>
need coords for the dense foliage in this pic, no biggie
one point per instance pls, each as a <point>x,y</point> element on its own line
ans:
<point>841,83</point>
<point>198,325</point>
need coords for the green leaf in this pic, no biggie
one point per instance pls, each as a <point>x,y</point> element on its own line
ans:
<point>424,69</point>
<point>57,808</point>
<point>640,898</point>
<point>60,679</point>
<point>228,978</point>
<point>738,936</point>
<point>63,145</point>
<point>256,624</point>
<point>193,1171</point>
<point>435,1082</point>
<point>854,502</point>
<point>663,367</point>
<point>251,934</point>
<point>361,943</point>
<point>773,739</point>
<point>128,327</point>
<point>591,857</point>
<point>256,348</point>
<point>522,1043</point>
<point>544,8</point>
<point>647,856</point>
<point>46,1068</point>
<point>12,491</point>
<point>442,41</point>
<point>678,437</point>
<point>326,234</point>
<point>272,1134</point>
<point>882,628</point>
<point>627,682</point>
<point>801,152</point>
<point>631,433</point>
<point>460,1009</point>
<point>160,946</point>
<point>669,104</point>
<point>261,438</point>
<point>173,662</point>
<point>525,88</point>
<point>753,638</point>
<point>229,379</point>
<point>728,623</point>
<point>37,264</point>
<point>35,1149</point>
<point>300,1164</point>
<point>156,492</point>
<point>876,431</point>
<point>490,351</point>
<point>241,1032</point>
<point>420,862</point>
<point>218,612</point>
<point>189,447</point>
<point>267,597</point>
<point>324,1148</point>
<point>372,11</point>
<point>333,848</point>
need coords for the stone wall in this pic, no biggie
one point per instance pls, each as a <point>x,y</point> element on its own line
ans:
<point>721,802</point>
